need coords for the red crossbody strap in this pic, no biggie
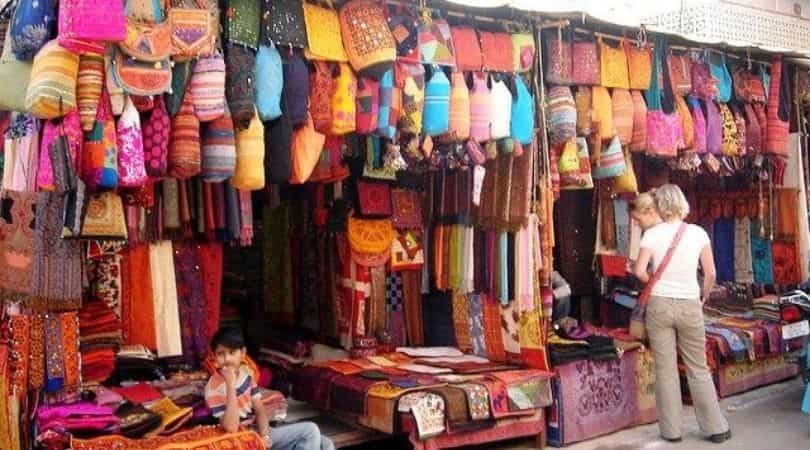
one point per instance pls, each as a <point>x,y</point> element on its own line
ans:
<point>645,294</point>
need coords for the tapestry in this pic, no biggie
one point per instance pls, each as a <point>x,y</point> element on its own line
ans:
<point>510,317</point>
<point>428,411</point>
<point>201,438</point>
<point>104,277</point>
<point>412,292</point>
<point>744,376</point>
<point>137,309</point>
<point>57,277</point>
<point>493,335</point>
<point>477,400</point>
<point>17,245</point>
<point>164,288</point>
<point>461,322</point>
<point>502,430</point>
<point>209,256</point>
<point>476,319</point>
<point>394,303</point>
<point>645,381</point>
<point>191,302</point>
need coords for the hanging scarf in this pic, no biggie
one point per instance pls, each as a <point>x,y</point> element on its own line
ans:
<point>246,218</point>
<point>191,302</point>
<point>232,213</point>
<point>762,256</point>
<point>210,259</point>
<point>461,322</point>
<point>743,268</point>
<point>395,299</point>
<point>167,316</point>
<point>412,292</point>
<point>476,319</point>
<point>522,187</point>
<point>278,295</point>
<point>171,206</point>
<point>138,318</point>
<point>20,154</point>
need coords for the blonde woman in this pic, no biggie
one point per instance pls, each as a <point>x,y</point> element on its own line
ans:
<point>675,310</point>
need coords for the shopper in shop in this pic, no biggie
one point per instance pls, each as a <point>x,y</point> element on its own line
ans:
<point>234,398</point>
<point>675,310</point>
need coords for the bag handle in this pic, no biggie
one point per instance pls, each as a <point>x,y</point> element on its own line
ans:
<point>645,294</point>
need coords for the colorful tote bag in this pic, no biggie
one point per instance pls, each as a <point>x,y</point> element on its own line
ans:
<point>468,49</point>
<point>343,102</point>
<point>559,54</point>
<point>480,107</point>
<point>714,128</point>
<point>410,80</point>
<point>680,72</point>
<point>131,165</point>
<point>268,79</point>
<point>585,61</point>
<point>562,115</point>
<point>522,120</point>
<point>523,52</point>
<point>184,144</point>
<point>613,62</point>
<point>249,171</point>
<point>239,86</point>
<point>435,41</point>
<point>155,128</point>
<point>603,112</point>
<point>778,112</point>
<point>459,107</point>
<point>52,89</point>
<point>100,149</point>
<point>639,141</point>
<point>324,40</point>
<point>194,30</point>
<point>243,18</point>
<point>404,26</point>
<point>366,37</point>
<point>584,102</point>
<point>497,50</point>
<point>436,118</point>
<point>283,23</point>
<point>30,27</point>
<point>321,88</point>
<point>622,103</point>
<point>639,65</point>
<point>368,105</point>
<point>501,112</point>
<point>218,148</point>
<point>699,125</point>
<point>92,20</point>
<point>720,73</point>
<point>89,82</point>
<point>663,123</point>
<point>207,87</point>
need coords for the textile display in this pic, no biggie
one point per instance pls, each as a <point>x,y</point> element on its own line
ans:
<point>164,286</point>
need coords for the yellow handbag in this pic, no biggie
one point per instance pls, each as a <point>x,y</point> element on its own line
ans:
<point>584,110</point>
<point>639,65</point>
<point>687,123</point>
<point>626,183</point>
<point>602,112</point>
<point>370,235</point>
<point>613,66</point>
<point>344,102</point>
<point>569,159</point>
<point>325,41</point>
<point>249,172</point>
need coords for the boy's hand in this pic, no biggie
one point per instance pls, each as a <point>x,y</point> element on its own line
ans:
<point>268,443</point>
<point>230,376</point>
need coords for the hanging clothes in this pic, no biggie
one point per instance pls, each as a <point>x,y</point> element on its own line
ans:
<point>743,265</point>
<point>167,314</point>
<point>723,245</point>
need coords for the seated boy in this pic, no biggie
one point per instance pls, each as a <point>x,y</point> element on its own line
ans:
<point>234,398</point>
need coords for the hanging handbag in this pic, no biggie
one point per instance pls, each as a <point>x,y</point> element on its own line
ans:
<point>307,145</point>
<point>435,41</point>
<point>194,30</point>
<point>99,160</point>
<point>409,79</point>
<point>719,71</point>
<point>184,144</point>
<point>714,128</point>
<point>343,102</point>
<point>324,41</point>
<point>562,115</point>
<point>52,89</point>
<point>142,77</point>
<point>89,82</point>
<point>559,53</point>
<point>753,131</point>
<point>249,171</point>
<point>663,123</point>
<point>268,83</point>
<point>680,72</point>
<point>586,67</point>
<point>374,199</point>
<point>626,183</point>
<point>603,112</point>
<point>497,51</point>
<point>207,87</point>
<point>639,141</point>
<point>481,105</point>
<point>742,132</point>
<point>522,120</point>
<point>613,63</point>
<point>436,119</point>
<point>155,128</point>
<point>283,24</point>
<point>622,106</point>
<point>639,65</point>
<point>778,112</point>
<point>638,327</point>
<point>748,87</point>
<point>730,136</point>
<point>687,125</point>
<point>611,161</point>
<point>321,88</point>
<point>278,141</point>
<point>699,125</point>
<point>366,37</point>
<point>218,148</point>
<point>704,86</point>
<point>368,105</point>
<point>131,166</point>
<point>468,49</point>
<point>92,20</point>
<point>104,218</point>
<point>239,67</point>
<point>16,74</point>
<point>390,106</point>
<point>242,22</point>
<point>404,25</point>
<point>459,107</point>
<point>30,27</point>
<point>523,52</point>
<point>501,112</point>
<point>584,102</point>
<point>147,41</point>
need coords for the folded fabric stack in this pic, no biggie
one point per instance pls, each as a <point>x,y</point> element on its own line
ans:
<point>136,363</point>
<point>80,419</point>
<point>767,308</point>
<point>100,338</point>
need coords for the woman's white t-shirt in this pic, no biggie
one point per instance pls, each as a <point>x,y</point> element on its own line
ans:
<point>679,279</point>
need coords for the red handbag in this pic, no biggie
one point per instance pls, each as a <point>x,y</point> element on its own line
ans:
<point>497,50</point>
<point>468,49</point>
<point>374,199</point>
<point>559,69</point>
<point>585,67</point>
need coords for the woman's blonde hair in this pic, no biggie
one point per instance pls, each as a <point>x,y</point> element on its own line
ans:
<point>670,202</point>
<point>643,202</point>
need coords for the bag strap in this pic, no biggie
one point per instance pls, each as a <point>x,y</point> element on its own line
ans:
<point>664,263</point>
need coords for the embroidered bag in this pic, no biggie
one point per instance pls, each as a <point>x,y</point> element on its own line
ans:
<point>147,41</point>
<point>480,107</point>
<point>184,144</point>
<point>324,41</point>
<point>31,26</point>
<point>131,166</point>
<point>368,105</point>
<point>181,76</point>
<point>104,217</point>
<point>218,148</point>
<point>390,104</point>
<point>242,21</point>
<point>307,145</point>
<point>99,160</point>
<point>404,26</point>
<point>322,85</point>
<point>583,101</point>
<point>89,82</point>
<point>742,132</point>
<point>714,128</point>
<point>16,74</point>
<point>703,84</point>
<point>239,68</point>
<point>497,51</point>
<point>52,89</point>
<point>560,68</point>
<point>586,67</point>
<point>296,88</point>
<point>374,199</point>
<point>344,109</point>
<point>468,49</point>
<point>720,73</point>
<point>194,30</point>
<point>613,63</point>
<point>663,122</point>
<point>501,112</point>
<point>748,87</point>
<point>778,110</point>
<point>611,161</point>
<point>687,125</point>
<point>522,120</point>
<point>622,104</point>
<point>437,103</point>
<point>268,83</point>
<point>366,37</point>
<point>207,87</point>
<point>142,77</point>
<point>92,20</point>
<point>639,65</point>
<point>523,52</point>
<point>155,128</point>
<point>639,141</point>
<point>730,138</point>
<point>459,106</point>
<point>562,115</point>
<point>603,112</point>
<point>283,23</point>
<point>568,162</point>
<point>753,131</point>
<point>699,122</point>
<point>680,72</point>
<point>435,41</point>
<point>626,183</point>
<point>249,174</point>
<point>278,142</point>
<point>410,81</point>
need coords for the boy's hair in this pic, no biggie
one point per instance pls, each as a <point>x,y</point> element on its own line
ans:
<point>228,337</point>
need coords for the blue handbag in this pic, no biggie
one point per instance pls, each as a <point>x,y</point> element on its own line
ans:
<point>269,82</point>
<point>436,117</point>
<point>522,123</point>
<point>720,72</point>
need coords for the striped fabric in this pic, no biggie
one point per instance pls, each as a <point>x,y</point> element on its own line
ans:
<point>218,149</point>
<point>562,115</point>
<point>184,144</point>
<point>246,389</point>
<point>88,88</point>
<point>390,102</point>
<point>208,88</point>
<point>622,103</point>
<point>639,141</point>
<point>249,172</point>
<point>52,90</point>
<point>480,106</point>
<point>459,107</point>
<point>436,118</point>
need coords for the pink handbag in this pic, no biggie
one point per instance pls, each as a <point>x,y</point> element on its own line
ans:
<point>92,20</point>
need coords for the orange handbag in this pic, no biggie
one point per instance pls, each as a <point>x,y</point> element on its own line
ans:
<point>639,65</point>
<point>613,66</point>
<point>307,145</point>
